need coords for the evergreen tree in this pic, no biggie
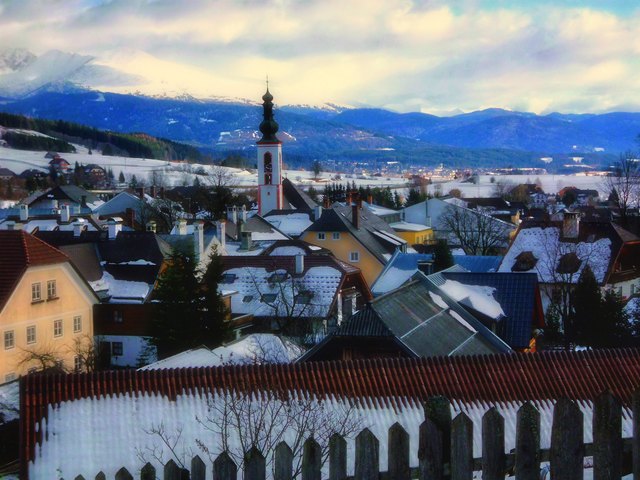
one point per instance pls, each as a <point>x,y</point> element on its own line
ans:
<point>583,323</point>
<point>121,177</point>
<point>188,313</point>
<point>442,257</point>
<point>134,181</point>
<point>614,326</point>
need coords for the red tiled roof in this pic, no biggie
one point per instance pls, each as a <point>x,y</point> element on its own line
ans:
<point>18,251</point>
<point>490,378</point>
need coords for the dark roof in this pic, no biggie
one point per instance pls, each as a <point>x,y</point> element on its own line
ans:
<point>19,251</point>
<point>296,197</point>
<point>67,192</point>
<point>430,323</point>
<point>132,246</point>
<point>84,257</point>
<point>364,323</point>
<point>373,233</point>
<point>58,238</point>
<point>516,294</point>
<point>5,172</point>
<point>486,378</point>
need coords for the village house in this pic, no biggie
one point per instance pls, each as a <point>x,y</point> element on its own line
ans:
<point>80,200</point>
<point>558,251</point>
<point>303,294</point>
<point>46,307</point>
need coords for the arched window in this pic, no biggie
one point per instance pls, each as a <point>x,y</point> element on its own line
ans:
<point>268,168</point>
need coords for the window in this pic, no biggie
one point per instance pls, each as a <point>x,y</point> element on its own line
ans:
<point>228,278</point>
<point>117,316</point>
<point>269,297</point>
<point>247,298</point>
<point>9,340</point>
<point>31,334</point>
<point>116,349</point>
<point>268,168</point>
<point>36,294</point>
<point>10,377</point>
<point>77,363</point>
<point>278,277</point>
<point>335,235</point>
<point>77,324</point>
<point>304,297</point>
<point>57,328</point>
<point>354,256</point>
<point>321,236</point>
<point>51,289</point>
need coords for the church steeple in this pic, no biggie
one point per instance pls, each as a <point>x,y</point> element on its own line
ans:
<point>268,126</point>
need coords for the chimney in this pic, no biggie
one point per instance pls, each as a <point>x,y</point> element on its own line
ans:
<point>299,264</point>
<point>198,237</point>
<point>11,225</point>
<point>245,241</point>
<point>78,226</point>
<point>151,226</point>
<point>232,214</point>
<point>162,193</point>
<point>24,213</point>
<point>425,266</point>
<point>326,202</point>
<point>154,191</point>
<point>113,226</point>
<point>65,214</point>
<point>141,193</point>
<point>243,213</point>
<point>359,202</point>
<point>221,230</point>
<point>571,225</point>
<point>348,198</point>
<point>370,199</point>
<point>317,212</point>
<point>355,215</point>
<point>181,226</point>
<point>131,217</point>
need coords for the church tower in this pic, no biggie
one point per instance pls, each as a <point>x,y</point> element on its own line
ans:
<point>269,160</point>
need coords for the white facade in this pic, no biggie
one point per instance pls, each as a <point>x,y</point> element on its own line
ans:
<point>269,177</point>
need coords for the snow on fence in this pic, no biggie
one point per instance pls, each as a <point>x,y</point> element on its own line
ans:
<point>445,450</point>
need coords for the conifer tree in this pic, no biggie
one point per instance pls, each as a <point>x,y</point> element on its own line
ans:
<point>121,177</point>
<point>583,324</point>
<point>442,257</point>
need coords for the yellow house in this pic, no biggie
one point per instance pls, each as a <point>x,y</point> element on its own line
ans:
<point>413,233</point>
<point>46,308</point>
<point>354,234</point>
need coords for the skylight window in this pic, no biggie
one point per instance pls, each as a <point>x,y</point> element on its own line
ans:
<point>247,298</point>
<point>304,297</point>
<point>278,277</point>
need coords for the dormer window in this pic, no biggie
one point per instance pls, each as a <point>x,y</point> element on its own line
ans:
<point>247,298</point>
<point>268,297</point>
<point>525,261</point>
<point>304,297</point>
<point>228,278</point>
<point>278,277</point>
<point>569,263</point>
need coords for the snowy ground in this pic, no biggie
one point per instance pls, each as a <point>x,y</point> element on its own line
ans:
<point>177,174</point>
<point>549,183</point>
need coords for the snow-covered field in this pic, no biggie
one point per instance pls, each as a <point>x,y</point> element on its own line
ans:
<point>177,174</point>
<point>549,183</point>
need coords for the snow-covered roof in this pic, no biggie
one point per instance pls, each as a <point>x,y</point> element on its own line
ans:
<point>111,417</point>
<point>121,291</point>
<point>409,227</point>
<point>288,250</point>
<point>9,401</point>
<point>256,348</point>
<point>379,210</point>
<point>478,297</point>
<point>548,248</point>
<point>292,224</point>
<point>260,295</point>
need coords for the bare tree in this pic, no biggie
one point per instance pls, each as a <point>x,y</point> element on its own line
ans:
<point>242,420</point>
<point>475,231</point>
<point>623,184</point>
<point>220,176</point>
<point>50,356</point>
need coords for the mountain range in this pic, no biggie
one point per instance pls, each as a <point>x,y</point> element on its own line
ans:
<point>110,93</point>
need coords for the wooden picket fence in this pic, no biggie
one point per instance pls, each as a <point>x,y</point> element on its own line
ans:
<point>445,450</point>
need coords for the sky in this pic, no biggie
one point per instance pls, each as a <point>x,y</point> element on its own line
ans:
<point>431,56</point>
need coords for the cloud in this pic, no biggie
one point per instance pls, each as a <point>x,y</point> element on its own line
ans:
<point>407,55</point>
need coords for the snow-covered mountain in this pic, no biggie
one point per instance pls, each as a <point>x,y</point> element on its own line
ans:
<point>126,71</point>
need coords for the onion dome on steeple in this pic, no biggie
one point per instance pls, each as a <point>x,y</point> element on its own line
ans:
<point>268,126</point>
